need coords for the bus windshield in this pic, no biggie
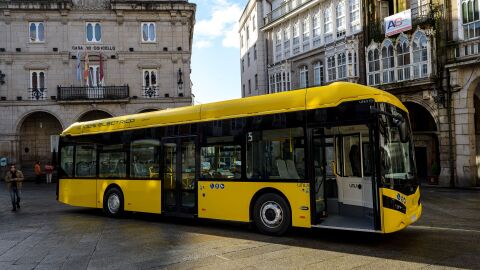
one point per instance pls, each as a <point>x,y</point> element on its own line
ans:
<point>396,153</point>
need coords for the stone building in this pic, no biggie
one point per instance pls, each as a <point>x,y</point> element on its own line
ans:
<point>252,49</point>
<point>73,60</point>
<point>313,42</point>
<point>434,69</point>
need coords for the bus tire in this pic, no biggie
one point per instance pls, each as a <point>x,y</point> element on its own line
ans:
<point>271,214</point>
<point>113,202</point>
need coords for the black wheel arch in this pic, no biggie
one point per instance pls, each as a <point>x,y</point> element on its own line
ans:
<point>263,191</point>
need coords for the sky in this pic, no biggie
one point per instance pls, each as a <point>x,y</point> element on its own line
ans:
<point>216,53</point>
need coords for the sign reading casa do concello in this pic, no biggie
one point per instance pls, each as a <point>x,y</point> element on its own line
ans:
<point>93,47</point>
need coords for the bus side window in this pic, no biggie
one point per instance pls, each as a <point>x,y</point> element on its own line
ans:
<point>85,161</point>
<point>144,159</point>
<point>66,162</point>
<point>113,162</point>
<point>276,154</point>
<point>221,159</point>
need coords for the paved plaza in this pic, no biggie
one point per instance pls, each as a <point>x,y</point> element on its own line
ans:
<point>46,234</point>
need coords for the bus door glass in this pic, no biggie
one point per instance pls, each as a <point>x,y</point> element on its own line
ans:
<point>179,170</point>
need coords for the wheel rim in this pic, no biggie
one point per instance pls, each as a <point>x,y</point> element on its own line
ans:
<point>271,214</point>
<point>113,203</point>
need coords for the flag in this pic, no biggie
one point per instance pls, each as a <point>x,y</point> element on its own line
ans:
<point>101,70</point>
<point>79,74</point>
<point>85,72</point>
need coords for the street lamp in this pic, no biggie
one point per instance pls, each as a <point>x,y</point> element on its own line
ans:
<point>180,82</point>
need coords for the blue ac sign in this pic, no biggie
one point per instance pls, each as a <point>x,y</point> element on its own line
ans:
<point>217,186</point>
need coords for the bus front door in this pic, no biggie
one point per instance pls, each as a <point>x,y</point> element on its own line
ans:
<point>179,174</point>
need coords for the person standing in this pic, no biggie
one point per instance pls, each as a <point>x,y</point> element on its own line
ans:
<point>14,179</point>
<point>38,172</point>
<point>48,172</point>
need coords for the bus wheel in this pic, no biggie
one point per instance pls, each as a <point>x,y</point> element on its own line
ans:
<point>271,214</point>
<point>113,202</point>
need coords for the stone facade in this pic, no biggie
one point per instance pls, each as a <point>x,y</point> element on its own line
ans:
<point>252,50</point>
<point>141,48</point>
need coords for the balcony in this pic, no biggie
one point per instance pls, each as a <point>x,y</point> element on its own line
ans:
<point>37,93</point>
<point>464,52</point>
<point>284,9</point>
<point>79,93</point>
<point>150,91</point>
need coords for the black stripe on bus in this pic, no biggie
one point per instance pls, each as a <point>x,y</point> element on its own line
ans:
<point>394,204</point>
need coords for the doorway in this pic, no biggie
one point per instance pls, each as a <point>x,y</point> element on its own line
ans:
<point>421,159</point>
<point>179,174</point>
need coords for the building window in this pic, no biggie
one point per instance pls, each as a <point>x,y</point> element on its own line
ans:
<point>94,73</point>
<point>296,34</point>
<point>420,55</point>
<point>94,32</point>
<point>148,32</point>
<point>341,66</point>
<point>304,77</point>
<point>373,67</point>
<point>471,18</point>
<point>316,29</point>
<point>328,29</point>
<point>150,88</point>
<point>37,32</point>
<point>271,83</point>
<point>249,87</point>
<point>256,82</point>
<point>278,45</point>
<point>253,23</point>
<point>318,73</point>
<point>243,65</point>
<point>243,89</point>
<point>286,42</point>
<point>241,41</point>
<point>331,68</point>
<point>340,12</point>
<point>388,62</point>
<point>255,52</point>
<point>278,82</point>
<point>248,34</point>
<point>306,34</point>
<point>403,59</point>
<point>354,15</point>
<point>248,59</point>
<point>37,89</point>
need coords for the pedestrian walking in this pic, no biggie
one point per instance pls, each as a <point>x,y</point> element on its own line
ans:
<point>14,179</point>
<point>38,172</point>
<point>48,172</point>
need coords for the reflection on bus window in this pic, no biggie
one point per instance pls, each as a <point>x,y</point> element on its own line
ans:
<point>112,162</point>
<point>276,154</point>
<point>85,157</point>
<point>221,162</point>
<point>66,162</point>
<point>144,155</point>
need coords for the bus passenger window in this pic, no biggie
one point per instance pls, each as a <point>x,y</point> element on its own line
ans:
<point>66,162</point>
<point>112,162</point>
<point>144,155</point>
<point>276,154</point>
<point>85,161</point>
<point>221,161</point>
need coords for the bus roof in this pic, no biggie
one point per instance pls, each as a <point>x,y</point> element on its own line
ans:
<point>289,101</point>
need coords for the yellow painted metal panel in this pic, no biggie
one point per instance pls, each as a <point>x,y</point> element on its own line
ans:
<point>139,195</point>
<point>310,98</point>
<point>232,202</point>
<point>257,105</point>
<point>78,192</point>
<point>394,220</point>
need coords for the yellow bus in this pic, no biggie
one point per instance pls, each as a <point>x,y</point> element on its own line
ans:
<point>338,156</point>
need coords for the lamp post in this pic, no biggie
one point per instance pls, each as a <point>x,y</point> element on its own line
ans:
<point>180,82</point>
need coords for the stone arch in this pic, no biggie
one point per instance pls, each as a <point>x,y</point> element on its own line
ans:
<point>430,107</point>
<point>473,127</point>
<point>36,131</point>
<point>93,115</point>
<point>425,136</point>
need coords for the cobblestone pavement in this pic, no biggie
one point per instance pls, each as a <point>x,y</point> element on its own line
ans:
<point>46,234</point>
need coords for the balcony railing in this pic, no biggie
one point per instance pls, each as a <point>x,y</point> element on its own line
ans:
<point>92,93</point>
<point>284,9</point>
<point>150,91</point>
<point>37,93</point>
